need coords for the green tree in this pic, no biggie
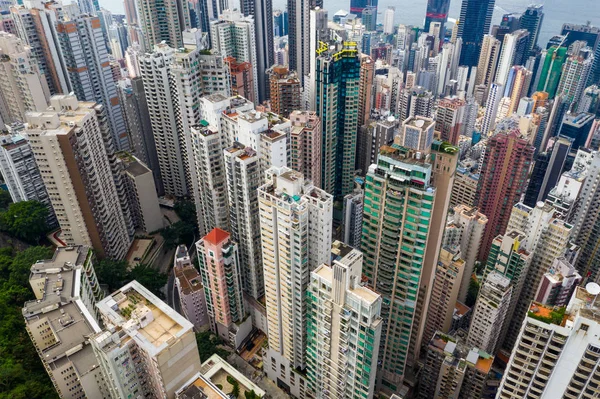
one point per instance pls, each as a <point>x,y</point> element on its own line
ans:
<point>186,210</point>
<point>252,395</point>
<point>235,386</point>
<point>208,345</point>
<point>25,220</point>
<point>472,292</point>
<point>150,278</point>
<point>22,375</point>
<point>111,272</point>
<point>5,199</point>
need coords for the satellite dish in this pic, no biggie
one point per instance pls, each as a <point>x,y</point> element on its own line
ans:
<point>592,288</point>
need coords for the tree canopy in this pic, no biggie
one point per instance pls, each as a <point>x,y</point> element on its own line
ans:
<point>26,220</point>
<point>22,375</point>
<point>5,199</point>
<point>114,273</point>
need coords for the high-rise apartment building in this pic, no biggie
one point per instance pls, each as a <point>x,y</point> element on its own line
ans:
<point>21,173</point>
<point>163,21</point>
<point>262,13</point>
<point>558,284</point>
<point>464,190</point>
<point>209,171</point>
<point>388,20</point>
<point>73,148</point>
<point>489,313</point>
<point>449,118</point>
<point>336,105</point>
<point>398,174</point>
<point>586,218</point>
<point>343,328</point>
<point>437,11</point>
<point>503,179</point>
<point>492,104</point>
<point>295,224</point>
<point>556,353</point>
<point>285,90</point>
<point>511,257</point>
<point>365,89</point>
<point>573,79</point>
<point>301,27</point>
<point>517,86</point>
<point>139,127</point>
<point>35,26</point>
<point>488,61</point>
<point>243,172</point>
<point>161,100</point>
<point>446,286</point>
<point>190,289</point>
<point>141,193</point>
<point>466,232</point>
<point>475,21</point>
<point>146,348</point>
<point>60,330</point>
<point>514,52</point>
<point>22,86</point>
<point>353,218</point>
<point>371,136</point>
<point>546,172</point>
<point>222,278</point>
<point>87,63</point>
<point>454,370</point>
<point>233,35</point>
<point>305,145</point>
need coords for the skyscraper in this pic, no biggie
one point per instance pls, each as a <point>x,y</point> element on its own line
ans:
<point>337,87</point>
<point>503,179</point>
<point>220,268</point>
<point>401,172</point>
<point>514,52</point>
<point>234,35</point>
<point>586,220</point>
<point>86,60</point>
<point>566,355</point>
<point>449,119</point>
<point>488,61</point>
<point>358,6</point>
<point>295,225</point>
<point>243,172</point>
<point>531,20</point>
<point>148,363</point>
<point>388,20</point>
<point>338,301</point>
<point>262,12</point>
<point>300,31</point>
<point>475,21</point>
<point>545,176</point>
<point>491,109</point>
<point>305,142</point>
<point>285,91</point>
<point>163,21</point>
<point>22,87</point>
<point>575,75</point>
<point>437,11</point>
<point>550,70</point>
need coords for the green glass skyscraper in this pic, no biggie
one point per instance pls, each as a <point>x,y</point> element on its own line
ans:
<point>551,70</point>
<point>336,93</point>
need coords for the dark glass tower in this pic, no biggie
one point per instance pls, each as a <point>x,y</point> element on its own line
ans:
<point>437,11</point>
<point>357,6</point>
<point>475,21</point>
<point>532,21</point>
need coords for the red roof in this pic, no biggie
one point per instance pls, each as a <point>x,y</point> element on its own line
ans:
<point>216,236</point>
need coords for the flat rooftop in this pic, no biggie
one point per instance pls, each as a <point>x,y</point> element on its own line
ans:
<point>216,370</point>
<point>143,316</point>
<point>200,387</point>
<point>189,279</point>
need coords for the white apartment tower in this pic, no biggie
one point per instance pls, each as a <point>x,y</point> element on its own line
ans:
<point>489,312</point>
<point>491,109</point>
<point>147,349</point>
<point>295,224</point>
<point>469,226</point>
<point>72,145</point>
<point>161,98</point>
<point>61,319</point>
<point>233,35</point>
<point>207,145</point>
<point>344,328</point>
<point>557,352</point>
<point>244,177</point>
<point>86,60</point>
<point>22,86</point>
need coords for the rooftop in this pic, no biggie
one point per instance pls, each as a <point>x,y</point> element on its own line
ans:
<point>143,316</point>
<point>189,279</point>
<point>216,236</point>
<point>216,370</point>
<point>200,387</point>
